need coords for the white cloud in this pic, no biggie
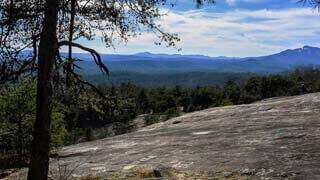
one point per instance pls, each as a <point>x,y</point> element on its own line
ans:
<point>233,33</point>
<point>233,2</point>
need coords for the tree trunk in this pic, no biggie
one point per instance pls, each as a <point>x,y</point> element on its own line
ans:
<point>39,163</point>
<point>71,29</point>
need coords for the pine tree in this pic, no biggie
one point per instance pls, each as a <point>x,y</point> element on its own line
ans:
<point>47,25</point>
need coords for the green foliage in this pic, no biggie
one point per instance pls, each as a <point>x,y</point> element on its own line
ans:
<point>231,93</point>
<point>152,119</point>
<point>142,101</point>
<point>17,104</point>
<point>58,129</point>
<point>172,112</point>
<point>17,115</point>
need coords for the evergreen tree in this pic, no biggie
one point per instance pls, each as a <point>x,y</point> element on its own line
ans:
<point>47,25</point>
<point>231,93</point>
<point>142,101</point>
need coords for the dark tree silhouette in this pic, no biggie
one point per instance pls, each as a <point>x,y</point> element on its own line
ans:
<point>33,31</point>
<point>314,3</point>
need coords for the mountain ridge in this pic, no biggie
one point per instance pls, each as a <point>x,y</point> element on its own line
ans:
<point>146,62</point>
<point>150,54</point>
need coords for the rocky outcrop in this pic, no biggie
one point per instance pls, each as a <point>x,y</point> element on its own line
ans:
<point>272,139</point>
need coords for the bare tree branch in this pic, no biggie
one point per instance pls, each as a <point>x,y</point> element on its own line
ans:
<point>314,3</point>
<point>96,56</point>
<point>11,74</point>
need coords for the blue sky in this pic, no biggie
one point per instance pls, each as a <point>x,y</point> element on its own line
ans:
<point>235,28</point>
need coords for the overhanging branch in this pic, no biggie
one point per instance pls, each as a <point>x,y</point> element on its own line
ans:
<point>79,79</point>
<point>96,56</point>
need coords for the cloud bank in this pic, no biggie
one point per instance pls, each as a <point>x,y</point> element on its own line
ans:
<point>233,2</point>
<point>233,33</point>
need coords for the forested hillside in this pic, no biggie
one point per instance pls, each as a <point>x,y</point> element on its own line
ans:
<point>187,79</point>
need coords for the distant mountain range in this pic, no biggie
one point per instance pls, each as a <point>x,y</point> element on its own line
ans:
<point>160,63</point>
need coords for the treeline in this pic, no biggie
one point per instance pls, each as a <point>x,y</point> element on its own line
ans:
<point>79,114</point>
<point>188,99</point>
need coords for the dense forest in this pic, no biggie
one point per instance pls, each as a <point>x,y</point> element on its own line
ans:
<point>171,79</point>
<point>87,115</point>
